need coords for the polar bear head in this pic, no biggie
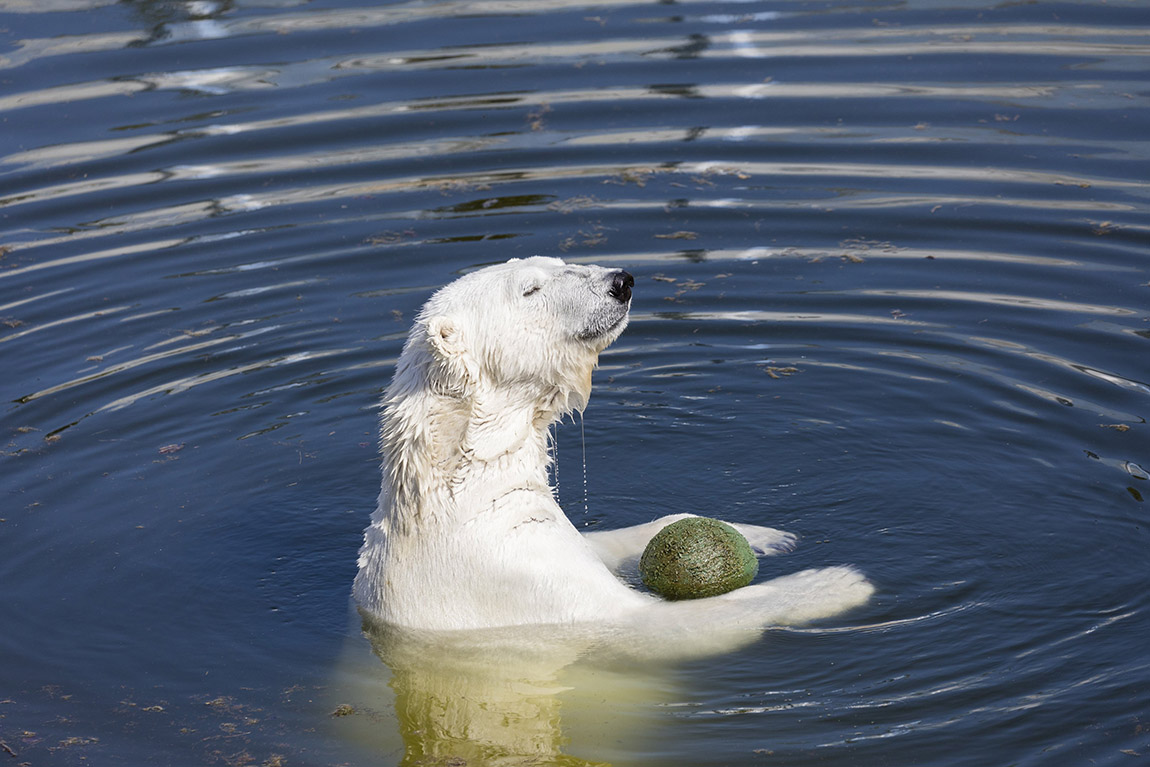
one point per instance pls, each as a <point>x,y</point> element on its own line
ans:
<point>530,328</point>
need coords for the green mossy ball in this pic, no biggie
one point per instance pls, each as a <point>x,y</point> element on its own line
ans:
<point>697,557</point>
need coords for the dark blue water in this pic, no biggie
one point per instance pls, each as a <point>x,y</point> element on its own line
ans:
<point>892,293</point>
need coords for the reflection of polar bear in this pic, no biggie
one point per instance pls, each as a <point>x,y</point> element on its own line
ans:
<point>467,534</point>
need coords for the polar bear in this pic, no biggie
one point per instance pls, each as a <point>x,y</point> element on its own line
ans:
<point>467,534</point>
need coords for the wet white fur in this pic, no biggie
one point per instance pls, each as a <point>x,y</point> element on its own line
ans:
<point>467,533</point>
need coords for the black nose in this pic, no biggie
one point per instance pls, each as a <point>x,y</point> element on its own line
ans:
<point>621,284</point>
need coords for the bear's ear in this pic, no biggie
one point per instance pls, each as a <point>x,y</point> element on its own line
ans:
<point>453,371</point>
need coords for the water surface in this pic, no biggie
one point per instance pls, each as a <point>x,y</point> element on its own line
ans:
<point>892,286</point>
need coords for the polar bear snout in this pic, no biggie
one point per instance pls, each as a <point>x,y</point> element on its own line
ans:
<point>605,315</point>
<point>621,284</point>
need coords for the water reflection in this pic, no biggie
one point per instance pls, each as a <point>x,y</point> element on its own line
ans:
<point>182,21</point>
<point>522,695</point>
<point>527,696</point>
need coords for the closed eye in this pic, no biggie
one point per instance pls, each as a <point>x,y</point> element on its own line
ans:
<point>532,289</point>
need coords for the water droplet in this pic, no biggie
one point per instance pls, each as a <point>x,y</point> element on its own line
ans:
<point>1136,471</point>
<point>583,437</point>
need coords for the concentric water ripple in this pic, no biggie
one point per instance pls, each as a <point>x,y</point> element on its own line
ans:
<point>892,289</point>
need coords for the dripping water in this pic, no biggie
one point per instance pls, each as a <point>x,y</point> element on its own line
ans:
<point>553,435</point>
<point>583,440</point>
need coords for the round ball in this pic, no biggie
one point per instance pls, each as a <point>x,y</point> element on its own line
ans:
<point>697,557</point>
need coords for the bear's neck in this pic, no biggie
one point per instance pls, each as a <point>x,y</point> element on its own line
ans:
<point>446,460</point>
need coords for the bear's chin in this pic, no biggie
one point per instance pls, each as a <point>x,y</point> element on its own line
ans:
<point>603,331</point>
